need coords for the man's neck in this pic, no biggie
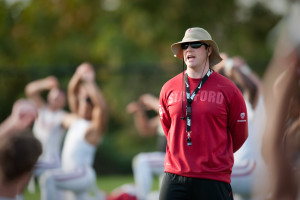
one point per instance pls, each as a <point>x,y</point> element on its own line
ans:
<point>197,72</point>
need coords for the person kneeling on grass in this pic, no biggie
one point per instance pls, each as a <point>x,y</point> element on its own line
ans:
<point>86,124</point>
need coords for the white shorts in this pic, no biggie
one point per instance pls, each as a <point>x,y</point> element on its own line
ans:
<point>79,181</point>
<point>145,166</point>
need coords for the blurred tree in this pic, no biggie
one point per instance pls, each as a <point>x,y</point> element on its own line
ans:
<point>128,41</point>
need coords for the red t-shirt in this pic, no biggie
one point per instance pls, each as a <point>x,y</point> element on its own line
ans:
<point>219,127</point>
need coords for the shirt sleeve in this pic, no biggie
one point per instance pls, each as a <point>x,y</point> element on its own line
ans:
<point>164,115</point>
<point>238,121</point>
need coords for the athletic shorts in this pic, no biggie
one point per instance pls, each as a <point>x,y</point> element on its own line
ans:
<point>175,187</point>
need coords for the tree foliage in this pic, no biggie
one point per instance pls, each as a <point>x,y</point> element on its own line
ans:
<point>128,41</point>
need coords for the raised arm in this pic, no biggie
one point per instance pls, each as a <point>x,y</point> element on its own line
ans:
<point>146,126</point>
<point>85,75</point>
<point>150,102</point>
<point>100,107</point>
<point>73,90</point>
<point>24,112</point>
<point>34,89</point>
<point>247,79</point>
<point>239,72</point>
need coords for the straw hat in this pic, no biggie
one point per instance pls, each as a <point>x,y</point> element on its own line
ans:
<point>194,35</point>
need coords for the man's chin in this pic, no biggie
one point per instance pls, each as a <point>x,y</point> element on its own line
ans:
<point>189,65</point>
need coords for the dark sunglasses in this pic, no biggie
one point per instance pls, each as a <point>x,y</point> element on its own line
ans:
<point>194,45</point>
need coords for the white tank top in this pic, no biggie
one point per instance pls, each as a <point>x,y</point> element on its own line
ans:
<point>256,126</point>
<point>77,151</point>
<point>48,130</point>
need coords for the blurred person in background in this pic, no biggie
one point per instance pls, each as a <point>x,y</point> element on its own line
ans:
<point>86,125</point>
<point>48,127</point>
<point>282,88</point>
<point>203,128</point>
<point>248,161</point>
<point>147,164</point>
<point>19,150</point>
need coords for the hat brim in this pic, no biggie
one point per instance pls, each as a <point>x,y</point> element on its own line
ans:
<point>214,58</point>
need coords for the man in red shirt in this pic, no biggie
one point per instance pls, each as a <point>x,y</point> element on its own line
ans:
<point>204,127</point>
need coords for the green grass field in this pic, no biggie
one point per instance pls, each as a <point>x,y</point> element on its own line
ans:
<point>105,183</point>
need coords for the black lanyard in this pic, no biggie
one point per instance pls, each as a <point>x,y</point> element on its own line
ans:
<point>189,101</point>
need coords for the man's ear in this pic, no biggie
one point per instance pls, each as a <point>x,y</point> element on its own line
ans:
<point>209,50</point>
